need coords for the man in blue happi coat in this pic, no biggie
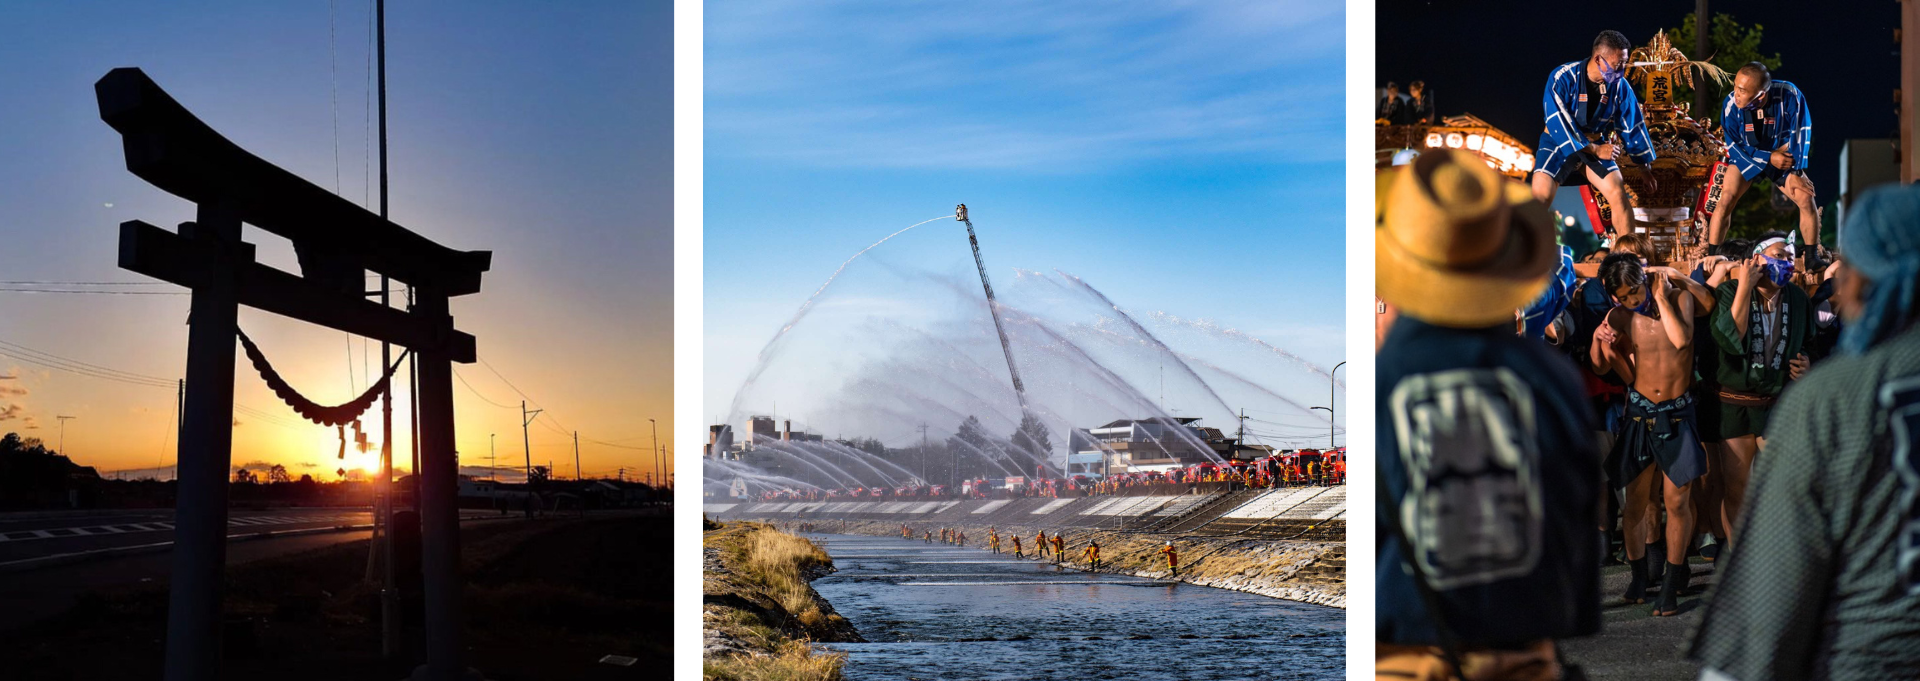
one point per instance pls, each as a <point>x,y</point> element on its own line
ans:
<point>1592,116</point>
<point>1769,134</point>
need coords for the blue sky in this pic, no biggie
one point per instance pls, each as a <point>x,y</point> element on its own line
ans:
<point>1185,158</point>
<point>542,133</point>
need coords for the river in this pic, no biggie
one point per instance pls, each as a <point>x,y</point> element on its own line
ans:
<point>936,611</point>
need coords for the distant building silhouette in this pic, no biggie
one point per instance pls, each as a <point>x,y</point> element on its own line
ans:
<point>32,476</point>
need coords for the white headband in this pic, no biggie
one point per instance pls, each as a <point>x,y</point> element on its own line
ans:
<point>1762,246</point>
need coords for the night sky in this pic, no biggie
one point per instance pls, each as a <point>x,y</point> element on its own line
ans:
<point>1492,59</point>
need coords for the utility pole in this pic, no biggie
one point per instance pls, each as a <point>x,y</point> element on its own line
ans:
<point>953,452</point>
<point>1241,438</point>
<point>390,633</point>
<point>490,452</point>
<point>1702,41</point>
<point>576,456</point>
<point>526,419</point>
<point>656,443</point>
<point>63,433</point>
<point>179,407</point>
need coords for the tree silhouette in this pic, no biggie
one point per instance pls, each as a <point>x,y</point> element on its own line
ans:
<point>242,476</point>
<point>278,474</point>
<point>1733,43</point>
<point>968,452</point>
<point>1030,440</point>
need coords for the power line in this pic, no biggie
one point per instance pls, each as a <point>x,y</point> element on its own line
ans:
<point>31,282</point>
<point>53,361</point>
<point>552,423</point>
<point>264,417</point>
<point>476,393</point>
<point>333,95</point>
<point>10,289</point>
<point>609,444</point>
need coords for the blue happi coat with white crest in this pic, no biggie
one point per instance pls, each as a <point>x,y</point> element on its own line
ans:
<point>1569,127</point>
<point>1781,120</point>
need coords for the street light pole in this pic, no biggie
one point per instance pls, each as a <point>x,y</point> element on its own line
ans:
<point>1329,411</point>
<point>1330,402</point>
<point>656,446</point>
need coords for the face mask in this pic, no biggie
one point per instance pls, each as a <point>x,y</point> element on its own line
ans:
<point>1778,271</point>
<point>1609,74</point>
<point>1645,306</point>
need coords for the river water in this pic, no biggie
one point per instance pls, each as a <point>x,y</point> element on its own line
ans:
<point>936,611</point>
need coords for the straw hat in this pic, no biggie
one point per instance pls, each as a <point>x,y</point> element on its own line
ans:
<point>1457,244</point>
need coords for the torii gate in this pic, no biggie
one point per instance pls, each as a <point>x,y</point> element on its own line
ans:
<point>336,242</point>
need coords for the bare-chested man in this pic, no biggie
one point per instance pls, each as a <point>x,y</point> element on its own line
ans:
<point>1648,340</point>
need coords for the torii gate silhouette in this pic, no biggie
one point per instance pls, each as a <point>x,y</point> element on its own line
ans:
<point>336,242</point>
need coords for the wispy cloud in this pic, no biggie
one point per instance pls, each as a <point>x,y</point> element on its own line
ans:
<point>1039,86</point>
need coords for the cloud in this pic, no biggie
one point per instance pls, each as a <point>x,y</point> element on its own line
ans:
<point>12,412</point>
<point>500,473</point>
<point>307,464</point>
<point>256,465</point>
<point>236,423</point>
<point>1036,86</point>
<point>10,384</point>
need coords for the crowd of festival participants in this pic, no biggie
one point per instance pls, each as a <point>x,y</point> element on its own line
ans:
<point>1755,408</point>
<point>1045,548</point>
<point>1300,469</point>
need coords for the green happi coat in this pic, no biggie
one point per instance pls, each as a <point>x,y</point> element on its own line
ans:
<point>1742,366</point>
<point>1813,588</point>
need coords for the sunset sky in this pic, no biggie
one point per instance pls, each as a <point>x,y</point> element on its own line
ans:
<point>542,133</point>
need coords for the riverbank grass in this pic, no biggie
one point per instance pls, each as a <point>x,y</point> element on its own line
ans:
<point>761,612</point>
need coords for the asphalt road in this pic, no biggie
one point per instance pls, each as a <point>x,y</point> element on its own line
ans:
<point>33,591</point>
<point>23,538</point>
<point>1633,645</point>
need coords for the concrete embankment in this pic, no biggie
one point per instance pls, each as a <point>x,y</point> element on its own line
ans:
<point>760,610</point>
<point>1286,543</point>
